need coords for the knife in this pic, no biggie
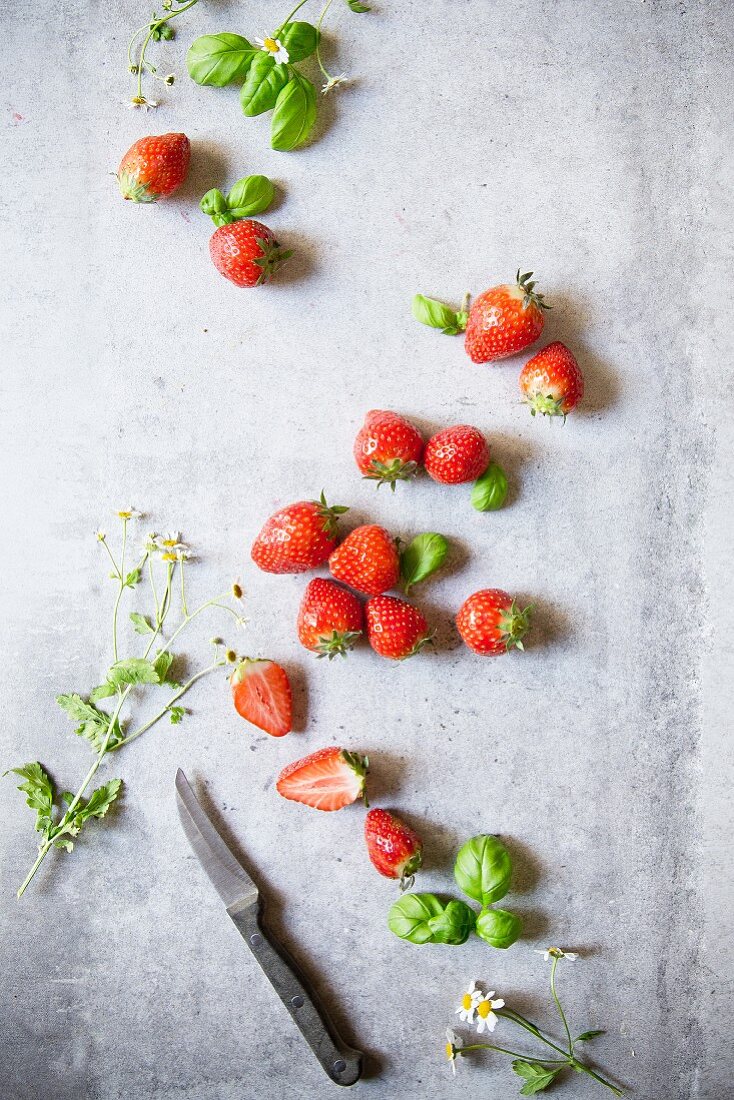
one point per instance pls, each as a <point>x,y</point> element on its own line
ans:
<point>241,898</point>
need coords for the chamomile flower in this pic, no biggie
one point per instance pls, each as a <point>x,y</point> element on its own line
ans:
<point>334,82</point>
<point>170,547</point>
<point>469,1002</point>
<point>129,513</point>
<point>275,48</point>
<point>557,953</point>
<point>453,1048</point>
<point>101,535</point>
<point>486,1018</point>
<point>141,102</point>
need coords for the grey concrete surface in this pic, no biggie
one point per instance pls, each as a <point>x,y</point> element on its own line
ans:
<point>590,143</point>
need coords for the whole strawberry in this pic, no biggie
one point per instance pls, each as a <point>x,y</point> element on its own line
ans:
<point>490,622</point>
<point>367,560</point>
<point>395,849</point>
<point>330,619</point>
<point>388,448</point>
<point>551,382</point>
<point>504,320</point>
<point>297,538</point>
<point>395,629</point>
<point>246,252</point>
<point>154,167</point>
<point>456,454</point>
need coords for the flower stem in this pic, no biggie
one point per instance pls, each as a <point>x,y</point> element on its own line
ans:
<point>561,1013</point>
<point>174,698</point>
<point>120,590</point>
<point>516,1018</point>
<point>513,1053</point>
<point>297,7</point>
<point>582,1068</point>
<point>320,20</point>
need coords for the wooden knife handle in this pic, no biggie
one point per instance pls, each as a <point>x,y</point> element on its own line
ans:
<point>339,1061</point>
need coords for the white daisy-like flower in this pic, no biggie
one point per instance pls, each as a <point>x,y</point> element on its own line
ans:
<point>486,1019</point>
<point>129,513</point>
<point>469,1002</point>
<point>453,1048</point>
<point>334,82</point>
<point>557,953</point>
<point>101,535</point>
<point>275,48</point>
<point>171,548</point>
<point>141,102</point>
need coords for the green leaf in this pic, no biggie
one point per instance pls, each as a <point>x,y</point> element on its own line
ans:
<point>410,915</point>
<point>264,81</point>
<point>98,802</point>
<point>219,59</point>
<point>300,39</point>
<point>132,578</point>
<point>161,665</point>
<point>537,1077</point>
<point>133,670</point>
<point>355,5</point>
<point>39,792</point>
<point>489,491</point>
<point>103,691</point>
<point>586,1035</point>
<point>93,724</point>
<point>425,554</point>
<point>454,924</point>
<point>498,927</point>
<point>141,623</point>
<point>483,869</point>
<point>177,714</point>
<point>294,115</point>
<point>213,203</point>
<point>249,196</point>
<point>437,315</point>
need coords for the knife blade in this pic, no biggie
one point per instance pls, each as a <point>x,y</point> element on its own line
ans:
<point>242,901</point>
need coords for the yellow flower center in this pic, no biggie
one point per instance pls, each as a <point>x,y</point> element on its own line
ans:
<point>168,557</point>
<point>483,1009</point>
<point>466,1002</point>
<point>271,45</point>
<point>450,1052</point>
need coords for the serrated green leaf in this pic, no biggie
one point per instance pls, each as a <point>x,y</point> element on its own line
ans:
<point>263,83</point>
<point>425,554</point>
<point>92,723</point>
<point>489,491</point>
<point>219,59</point>
<point>177,714</point>
<point>249,196</point>
<point>300,39</point>
<point>141,623</point>
<point>133,670</point>
<point>132,578</point>
<point>357,6</point>
<point>161,664</point>
<point>67,845</point>
<point>294,115</point>
<point>586,1035</point>
<point>103,691</point>
<point>436,314</point>
<point>39,791</point>
<point>98,802</point>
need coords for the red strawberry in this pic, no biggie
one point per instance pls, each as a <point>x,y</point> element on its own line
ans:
<point>395,628</point>
<point>246,252</point>
<point>262,694</point>
<point>395,849</point>
<point>387,448</point>
<point>367,560</point>
<point>154,167</point>
<point>327,779</point>
<point>456,454</point>
<point>490,622</point>
<point>330,619</point>
<point>504,320</point>
<point>552,382</point>
<point>297,538</point>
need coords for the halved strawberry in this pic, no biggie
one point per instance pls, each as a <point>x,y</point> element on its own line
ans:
<point>326,780</point>
<point>261,692</point>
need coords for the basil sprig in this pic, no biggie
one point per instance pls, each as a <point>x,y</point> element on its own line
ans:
<point>436,314</point>
<point>249,196</point>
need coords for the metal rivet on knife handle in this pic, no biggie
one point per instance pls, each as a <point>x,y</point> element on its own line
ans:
<point>297,1002</point>
<point>340,1065</point>
<point>256,939</point>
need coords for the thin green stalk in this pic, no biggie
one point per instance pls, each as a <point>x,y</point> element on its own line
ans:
<point>516,1018</point>
<point>183,590</point>
<point>153,588</point>
<point>297,8</point>
<point>121,589</point>
<point>141,64</point>
<point>561,1013</point>
<point>575,1064</point>
<point>513,1053</point>
<point>115,566</point>
<point>174,698</point>
<point>320,20</point>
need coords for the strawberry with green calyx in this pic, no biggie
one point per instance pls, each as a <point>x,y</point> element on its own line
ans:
<point>261,693</point>
<point>154,167</point>
<point>388,448</point>
<point>396,850</point>
<point>490,622</point>
<point>396,629</point>
<point>330,619</point>
<point>504,320</point>
<point>243,250</point>
<point>367,560</point>
<point>551,382</point>
<point>249,196</point>
<point>328,779</point>
<point>298,538</point>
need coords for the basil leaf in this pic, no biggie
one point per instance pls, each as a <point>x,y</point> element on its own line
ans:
<point>537,1077</point>
<point>454,924</point>
<point>263,82</point>
<point>141,623</point>
<point>483,869</point>
<point>294,115</point>
<point>410,915</point>
<point>134,670</point>
<point>355,5</point>
<point>213,203</point>
<point>437,315</point>
<point>425,554</point>
<point>249,196</point>
<point>489,491</point>
<point>219,59</point>
<point>300,40</point>
<point>39,792</point>
<point>498,927</point>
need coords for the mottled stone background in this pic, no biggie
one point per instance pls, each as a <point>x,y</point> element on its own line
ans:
<point>588,142</point>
